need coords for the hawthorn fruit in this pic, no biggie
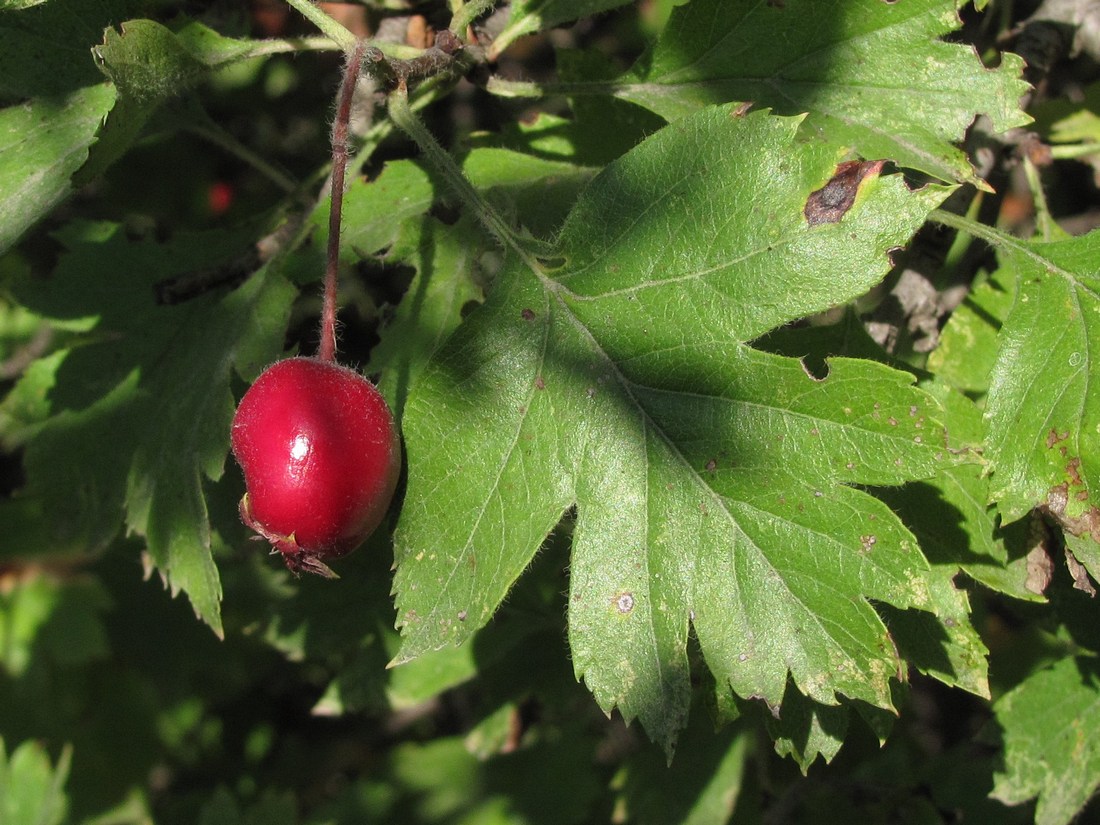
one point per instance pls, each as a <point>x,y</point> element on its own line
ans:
<point>321,457</point>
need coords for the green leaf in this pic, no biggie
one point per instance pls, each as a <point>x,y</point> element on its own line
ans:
<point>375,212</point>
<point>445,281</point>
<point>56,620</point>
<point>161,375</point>
<point>952,518</point>
<point>550,784</point>
<point>710,480</point>
<point>31,791</point>
<point>1051,749</point>
<point>699,788</point>
<point>874,76</point>
<point>45,49</point>
<point>602,128</point>
<point>42,144</point>
<point>529,16</point>
<point>150,64</point>
<point>1043,408</point>
<point>147,62</point>
<point>807,729</point>
<point>967,347</point>
<point>1086,552</point>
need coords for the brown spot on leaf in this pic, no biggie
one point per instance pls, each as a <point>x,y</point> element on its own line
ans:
<point>1085,524</point>
<point>742,109</point>
<point>1053,437</point>
<point>712,465</point>
<point>1073,472</point>
<point>539,383</point>
<point>867,543</point>
<point>527,314</point>
<point>833,200</point>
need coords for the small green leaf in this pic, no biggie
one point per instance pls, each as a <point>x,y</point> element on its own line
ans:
<point>1051,749</point>
<point>710,480</point>
<point>150,64</point>
<point>967,347</point>
<point>445,281</point>
<point>1043,408</point>
<point>42,144</point>
<point>147,62</point>
<point>529,16</point>
<point>31,790</point>
<point>56,620</point>
<point>1085,550</point>
<point>874,76</point>
<point>551,784</point>
<point>700,788</point>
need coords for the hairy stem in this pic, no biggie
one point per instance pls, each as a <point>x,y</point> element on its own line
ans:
<point>994,237</point>
<point>327,349</point>
<point>439,159</point>
<point>468,13</point>
<point>344,38</point>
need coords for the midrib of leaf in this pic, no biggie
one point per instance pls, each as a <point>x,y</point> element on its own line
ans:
<point>653,284</point>
<point>786,412</point>
<point>999,240</point>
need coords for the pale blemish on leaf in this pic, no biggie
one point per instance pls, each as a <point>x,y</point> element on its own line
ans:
<point>624,602</point>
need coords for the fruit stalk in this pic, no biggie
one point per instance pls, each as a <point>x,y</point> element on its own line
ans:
<point>326,351</point>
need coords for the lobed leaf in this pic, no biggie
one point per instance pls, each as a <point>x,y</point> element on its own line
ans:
<point>711,480</point>
<point>444,283</point>
<point>873,76</point>
<point>158,373</point>
<point>1051,750</point>
<point>1043,409</point>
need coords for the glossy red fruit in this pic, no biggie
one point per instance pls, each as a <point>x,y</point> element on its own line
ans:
<point>320,456</point>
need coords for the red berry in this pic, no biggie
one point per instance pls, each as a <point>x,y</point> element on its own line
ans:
<point>320,456</point>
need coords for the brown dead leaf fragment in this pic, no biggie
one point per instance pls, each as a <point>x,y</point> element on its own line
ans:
<point>1080,575</point>
<point>830,203</point>
<point>1040,569</point>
